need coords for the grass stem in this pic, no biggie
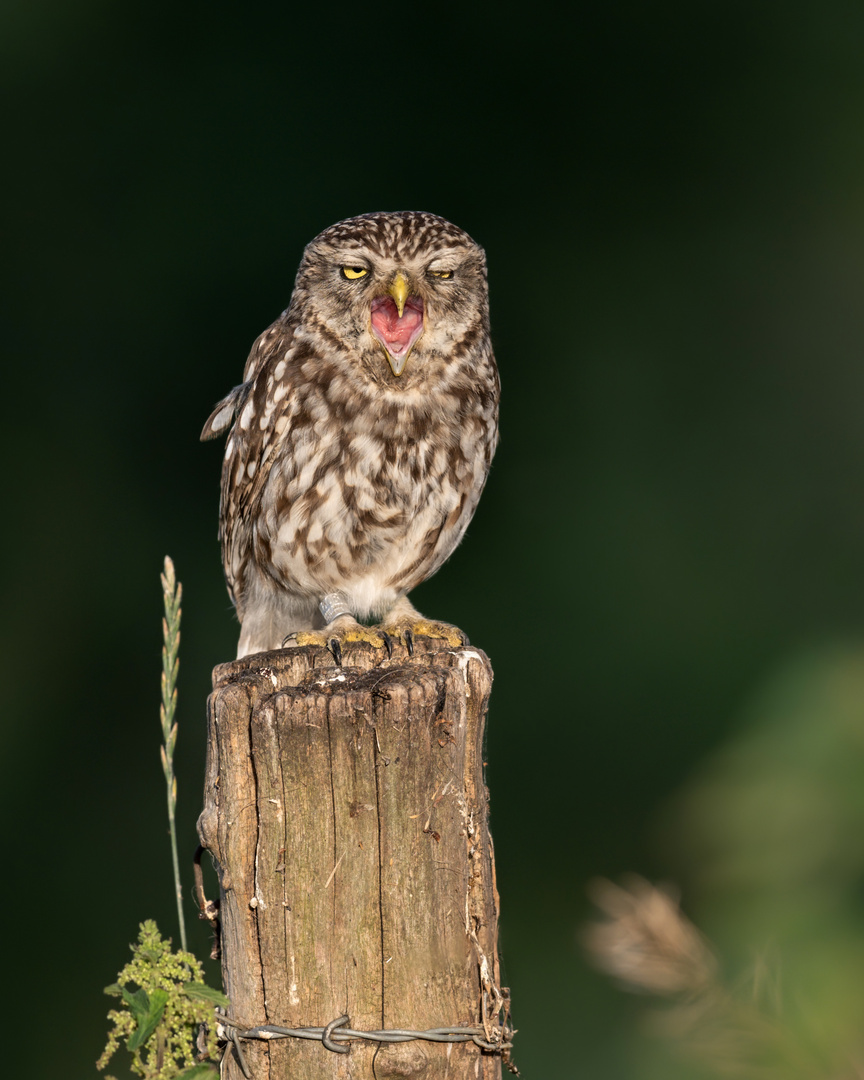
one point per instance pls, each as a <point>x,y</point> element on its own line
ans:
<point>172,592</point>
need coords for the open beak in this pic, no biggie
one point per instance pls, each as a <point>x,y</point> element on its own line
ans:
<point>397,322</point>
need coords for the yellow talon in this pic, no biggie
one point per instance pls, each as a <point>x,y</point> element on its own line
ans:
<point>358,633</point>
<point>366,634</point>
<point>438,630</point>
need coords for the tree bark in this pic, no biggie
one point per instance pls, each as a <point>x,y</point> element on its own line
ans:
<point>346,812</point>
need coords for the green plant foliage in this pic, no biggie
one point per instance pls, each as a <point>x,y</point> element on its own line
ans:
<point>165,1003</point>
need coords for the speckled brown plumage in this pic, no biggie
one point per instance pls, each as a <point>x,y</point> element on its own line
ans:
<point>342,478</point>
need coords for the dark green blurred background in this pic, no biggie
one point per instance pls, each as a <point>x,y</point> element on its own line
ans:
<point>667,568</point>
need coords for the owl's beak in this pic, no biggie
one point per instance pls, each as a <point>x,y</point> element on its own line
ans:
<point>397,322</point>
<point>399,291</point>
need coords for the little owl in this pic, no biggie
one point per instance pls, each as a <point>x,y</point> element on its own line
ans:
<point>365,425</point>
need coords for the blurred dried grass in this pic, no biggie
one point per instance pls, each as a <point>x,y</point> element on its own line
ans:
<point>648,945</point>
<point>645,942</point>
<point>767,837</point>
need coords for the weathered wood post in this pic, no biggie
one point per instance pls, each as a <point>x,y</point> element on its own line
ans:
<point>346,812</point>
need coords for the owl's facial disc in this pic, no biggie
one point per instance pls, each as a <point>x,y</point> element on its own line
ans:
<point>397,322</point>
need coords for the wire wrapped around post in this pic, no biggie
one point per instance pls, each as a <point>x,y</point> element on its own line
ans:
<point>340,1029</point>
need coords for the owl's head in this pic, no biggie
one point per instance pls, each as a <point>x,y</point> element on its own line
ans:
<point>394,284</point>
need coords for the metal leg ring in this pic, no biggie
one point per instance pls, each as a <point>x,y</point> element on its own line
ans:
<point>333,605</point>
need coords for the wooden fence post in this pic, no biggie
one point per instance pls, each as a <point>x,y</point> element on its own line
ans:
<point>346,813</point>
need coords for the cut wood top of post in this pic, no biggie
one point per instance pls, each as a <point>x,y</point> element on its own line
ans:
<point>308,665</point>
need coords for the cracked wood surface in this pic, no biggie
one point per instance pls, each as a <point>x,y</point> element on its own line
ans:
<point>346,813</point>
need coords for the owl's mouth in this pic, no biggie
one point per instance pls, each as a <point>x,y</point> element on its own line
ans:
<point>397,333</point>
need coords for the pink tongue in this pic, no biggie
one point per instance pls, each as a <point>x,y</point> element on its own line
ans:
<point>397,333</point>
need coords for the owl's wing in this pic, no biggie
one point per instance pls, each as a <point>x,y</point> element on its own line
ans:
<point>275,337</point>
<point>223,415</point>
<point>263,419</point>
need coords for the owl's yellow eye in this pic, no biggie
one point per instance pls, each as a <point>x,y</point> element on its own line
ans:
<point>354,272</point>
<point>441,273</point>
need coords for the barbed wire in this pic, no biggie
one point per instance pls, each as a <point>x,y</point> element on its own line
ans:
<point>334,1035</point>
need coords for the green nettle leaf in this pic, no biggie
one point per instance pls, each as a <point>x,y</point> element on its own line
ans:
<point>139,1002</point>
<point>165,1003</point>
<point>198,991</point>
<point>147,1025</point>
<point>114,990</point>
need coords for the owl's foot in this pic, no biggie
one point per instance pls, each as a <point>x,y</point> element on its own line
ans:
<point>341,631</point>
<point>408,628</point>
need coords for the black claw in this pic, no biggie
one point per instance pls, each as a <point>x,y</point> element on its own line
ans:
<point>388,643</point>
<point>288,637</point>
<point>336,649</point>
<point>409,642</point>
